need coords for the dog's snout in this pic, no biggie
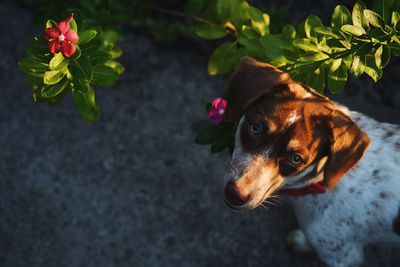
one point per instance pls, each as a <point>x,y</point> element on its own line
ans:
<point>233,196</point>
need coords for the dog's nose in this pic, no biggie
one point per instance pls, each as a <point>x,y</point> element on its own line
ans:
<point>233,196</point>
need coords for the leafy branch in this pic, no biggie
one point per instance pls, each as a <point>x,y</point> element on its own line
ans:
<point>81,64</point>
<point>356,42</point>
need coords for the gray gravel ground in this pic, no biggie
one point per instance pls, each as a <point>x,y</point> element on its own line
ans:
<point>133,189</point>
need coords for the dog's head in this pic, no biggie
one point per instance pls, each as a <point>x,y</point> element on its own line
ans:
<point>287,134</point>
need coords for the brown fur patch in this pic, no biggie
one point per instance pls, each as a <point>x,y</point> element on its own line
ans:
<point>252,80</point>
<point>349,144</point>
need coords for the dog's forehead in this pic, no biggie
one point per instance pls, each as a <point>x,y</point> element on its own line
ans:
<point>278,112</point>
<point>292,120</point>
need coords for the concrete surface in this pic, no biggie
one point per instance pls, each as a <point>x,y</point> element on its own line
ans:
<point>133,189</point>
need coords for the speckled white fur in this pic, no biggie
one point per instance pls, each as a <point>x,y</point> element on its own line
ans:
<point>362,207</point>
<point>359,210</point>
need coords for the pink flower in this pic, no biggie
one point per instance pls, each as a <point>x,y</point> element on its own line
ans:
<point>62,38</point>
<point>216,113</point>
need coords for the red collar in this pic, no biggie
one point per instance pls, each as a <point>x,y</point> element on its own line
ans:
<point>316,188</point>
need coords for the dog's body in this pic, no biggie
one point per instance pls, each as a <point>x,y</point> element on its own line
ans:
<point>291,137</point>
<point>363,206</point>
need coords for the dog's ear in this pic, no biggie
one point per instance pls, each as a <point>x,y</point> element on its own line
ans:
<point>251,80</point>
<point>348,145</point>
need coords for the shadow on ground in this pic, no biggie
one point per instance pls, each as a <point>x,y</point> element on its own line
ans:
<point>132,189</point>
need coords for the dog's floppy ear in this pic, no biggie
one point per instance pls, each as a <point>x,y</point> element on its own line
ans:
<point>251,80</point>
<point>348,145</point>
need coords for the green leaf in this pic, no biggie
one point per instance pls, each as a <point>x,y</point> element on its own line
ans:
<point>378,35</point>
<point>337,76</point>
<point>253,47</point>
<point>316,80</point>
<point>51,23</point>
<point>310,62</point>
<point>97,57</point>
<point>281,61</point>
<point>78,53</point>
<point>93,45</point>
<point>39,50</point>
<point>104,75</point>
<point>222,141</point>
<point>58,62</point>
<point>289,32</point>
<point>210,32</point>
<point>35,79</point>
<point>371,69</point>
<point>57,99</point>
<point>382,56</point>
<point>300,32</point>
<point>225,58</point>
<point>81,69</point>
<point>329,32</point>
<point>259,20</point>
<point>116,52</point>
<point>207,135</point>
<point>53,90</point>
<point>353,30</point>
<point>223,9</point>
<point>86,36</point>
<point>361,49</point>
<point>374,19</point>
<point>312,57</point>
<point>358,15</point>
<point>383,7</point>
<point>395,19</point>
<point>73,26</point>
<point>53,76</point>
<point>250,32</point>
<point>341,16</point>
<point>84,101</point>
<point>310,24</point>
<point>111,36</point>
<point>306,44</point>
<point>239,12</point>
<point>30,65</point>
<point>275,41</point>
<point>338,45</point>
<point>118,67</point>
<point>358,66</point>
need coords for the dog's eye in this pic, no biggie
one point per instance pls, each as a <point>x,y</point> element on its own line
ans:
<point>295,159</point>
<point>255,128</point>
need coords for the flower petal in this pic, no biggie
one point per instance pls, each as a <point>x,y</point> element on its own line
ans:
<point>54,46</point>
<point>215,116</point>
<point>63,26</point>
<point>67,49</point>
<point>72,36</point>
<point>51,33</point>
<point>219,103</point>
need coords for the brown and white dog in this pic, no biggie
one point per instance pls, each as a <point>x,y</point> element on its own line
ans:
<point>341,169</point>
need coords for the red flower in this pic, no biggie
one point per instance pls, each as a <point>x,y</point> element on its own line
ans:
<point>62,38</point>
<point>216,113</point>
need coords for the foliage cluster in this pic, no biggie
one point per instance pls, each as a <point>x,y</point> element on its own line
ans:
<point>93,63</point>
